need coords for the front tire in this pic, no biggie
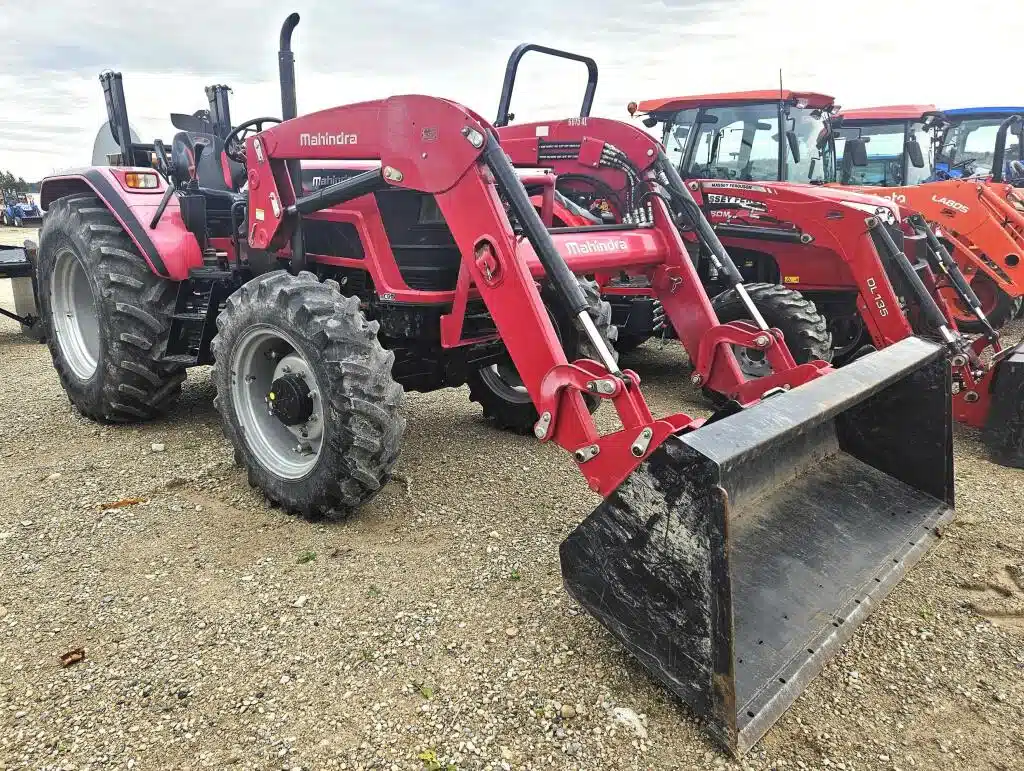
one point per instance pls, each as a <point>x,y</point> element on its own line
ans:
<point>106,314</point>
<point>305,394</point>
<point>498,388</point>
<point>803,327</point>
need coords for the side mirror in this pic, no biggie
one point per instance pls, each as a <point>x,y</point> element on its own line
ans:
<point>915,154</point>
<point>856,150</point>
<point>794,146</point>
<point>650,121</point>
<point>855,153</point>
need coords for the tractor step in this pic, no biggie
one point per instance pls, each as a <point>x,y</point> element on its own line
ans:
<point>193,323</point>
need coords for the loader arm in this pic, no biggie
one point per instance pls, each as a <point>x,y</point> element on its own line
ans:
<point>413,156</point>
<point>630,162</point>
<point>437,146</point>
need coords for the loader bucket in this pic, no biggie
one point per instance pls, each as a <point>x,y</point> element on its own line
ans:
<point>736,559</point>
<point>1004,426</point>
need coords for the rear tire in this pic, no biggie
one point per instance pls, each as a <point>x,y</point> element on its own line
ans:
<point>341,448</point>
<point>106,315</point>
<point>803,327</point>
<point>498,389</point>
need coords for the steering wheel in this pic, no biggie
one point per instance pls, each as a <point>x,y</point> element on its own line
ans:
<point>234,143</point>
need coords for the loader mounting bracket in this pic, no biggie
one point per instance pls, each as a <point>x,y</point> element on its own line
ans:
<point>787,373</point>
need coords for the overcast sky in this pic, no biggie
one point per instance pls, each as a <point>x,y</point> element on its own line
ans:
<point>865,53</point>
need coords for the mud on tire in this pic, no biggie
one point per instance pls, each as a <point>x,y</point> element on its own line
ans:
<point>804,328</point>
<point>113,315</point>
<point>513,410</point>
<point>356,416</point>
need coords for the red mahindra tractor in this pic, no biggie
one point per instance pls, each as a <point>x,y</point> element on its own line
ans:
<point>732,554</point>
<point>868,265</point>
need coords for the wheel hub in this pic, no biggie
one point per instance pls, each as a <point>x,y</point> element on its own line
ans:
<point>289,400</point>
<point>286,432</point>
<point>753,362</point>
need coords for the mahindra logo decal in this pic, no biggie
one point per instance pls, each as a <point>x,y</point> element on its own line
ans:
<point>327,140</point>
<point>596,247</point>
<point>950,203</point>
<point>323,181</point>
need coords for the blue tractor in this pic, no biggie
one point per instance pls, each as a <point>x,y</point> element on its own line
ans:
<point>967,144</point>
<point>19,210</point>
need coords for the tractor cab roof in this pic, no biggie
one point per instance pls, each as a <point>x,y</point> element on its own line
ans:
<point>733,99</point>
<point>888,113</point>
<point>966,113</point>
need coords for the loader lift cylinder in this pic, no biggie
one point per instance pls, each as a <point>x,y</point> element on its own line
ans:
<point>949,267</point>
<point>565,283</point>
<point>340,192</point>
<point>928,305</point>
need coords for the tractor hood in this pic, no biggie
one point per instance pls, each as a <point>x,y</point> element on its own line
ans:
<point>868,203</point>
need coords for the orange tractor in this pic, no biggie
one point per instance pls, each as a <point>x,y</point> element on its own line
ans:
<point>978,216</point>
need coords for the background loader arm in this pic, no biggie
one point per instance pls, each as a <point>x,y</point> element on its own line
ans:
<point>623,158</point>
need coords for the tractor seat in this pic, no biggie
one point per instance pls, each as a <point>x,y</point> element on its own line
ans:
<point>216,171</point>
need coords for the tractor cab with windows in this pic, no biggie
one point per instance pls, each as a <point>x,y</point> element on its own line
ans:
<point>737,135</point>
<point>970,141</point>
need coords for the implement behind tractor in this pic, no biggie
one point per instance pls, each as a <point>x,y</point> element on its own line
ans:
<point>732,555</point>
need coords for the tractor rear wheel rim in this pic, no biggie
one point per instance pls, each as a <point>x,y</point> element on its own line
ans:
<point>262,356</point>
<point>76,319</point>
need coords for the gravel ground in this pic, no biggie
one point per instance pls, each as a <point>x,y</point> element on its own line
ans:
<point>430,631</point>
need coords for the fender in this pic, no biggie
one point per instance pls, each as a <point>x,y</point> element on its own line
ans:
<point>169,250</point>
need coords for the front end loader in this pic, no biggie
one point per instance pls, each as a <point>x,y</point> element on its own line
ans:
<point>975,211</point>
<point>874,268</point>
<point>733,554</point>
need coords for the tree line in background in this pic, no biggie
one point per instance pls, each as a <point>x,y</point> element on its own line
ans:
<point>10,182</point>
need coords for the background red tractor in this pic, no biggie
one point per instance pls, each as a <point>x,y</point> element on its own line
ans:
<point>424,264</point>
<point>873,268</point>
<point>980,217</point>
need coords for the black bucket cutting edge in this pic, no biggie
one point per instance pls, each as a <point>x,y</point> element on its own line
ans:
<point>736,559</point>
